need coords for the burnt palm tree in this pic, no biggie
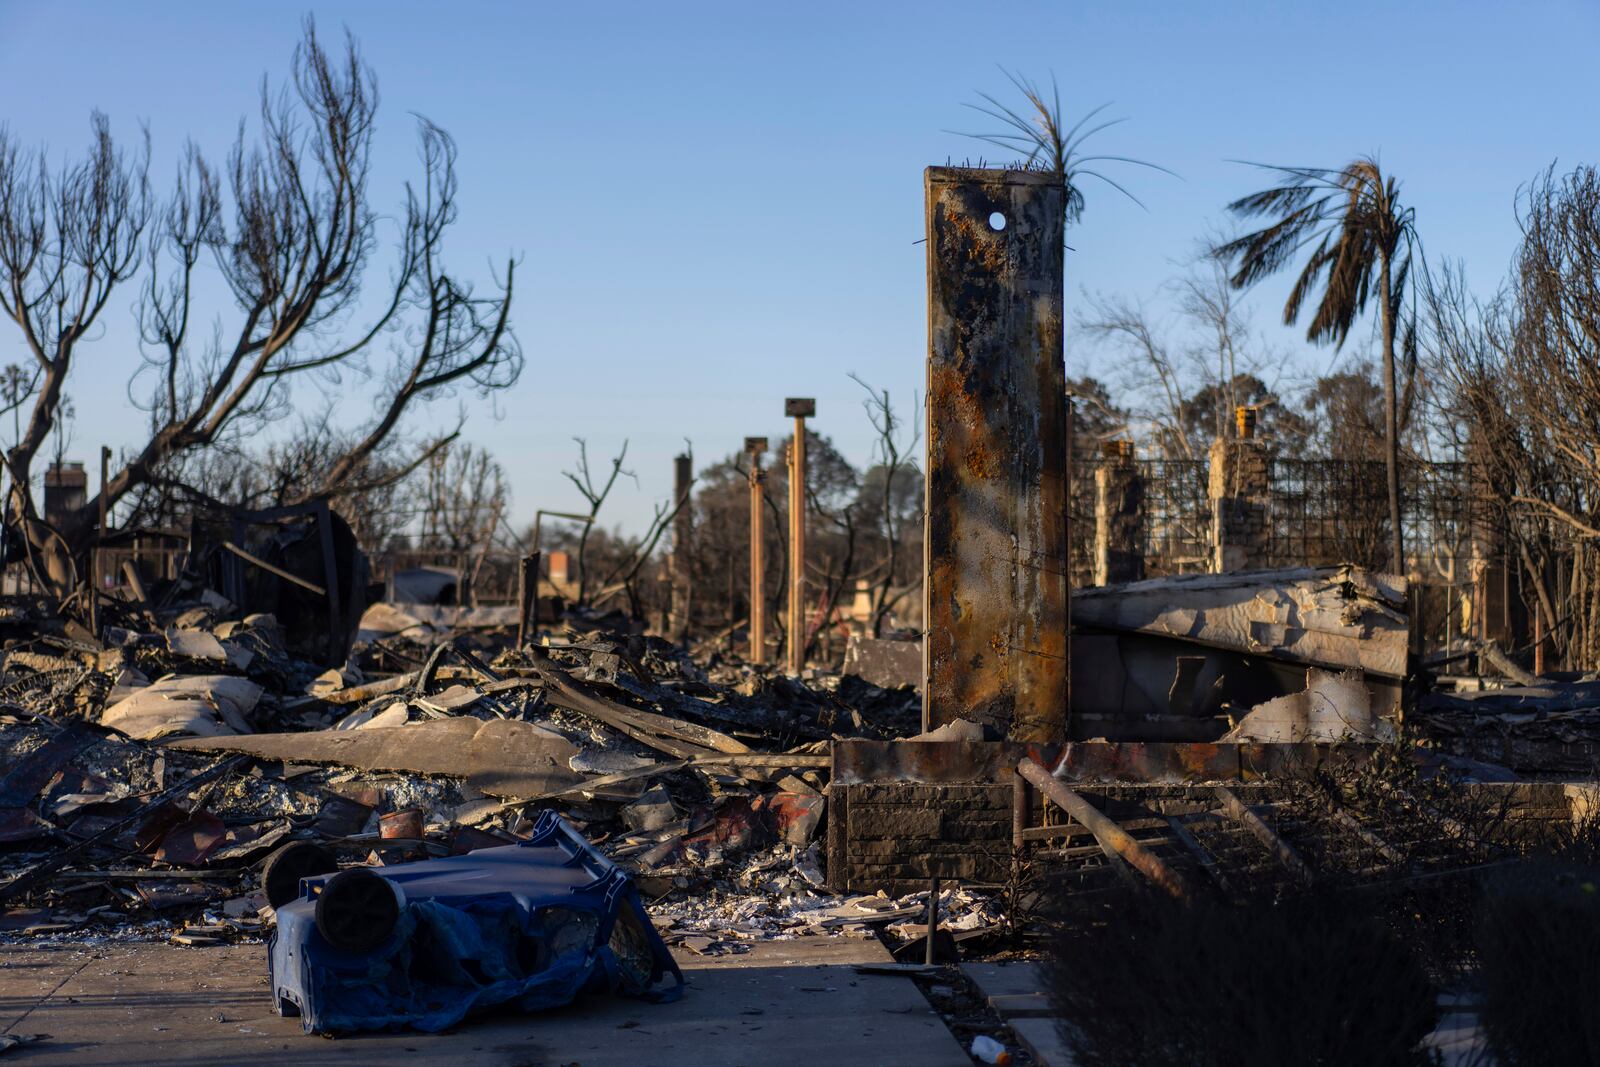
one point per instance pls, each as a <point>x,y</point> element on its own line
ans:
<point>1035,129</point>
<point>1361,239</point>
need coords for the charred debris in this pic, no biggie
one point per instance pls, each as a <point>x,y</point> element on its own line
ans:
<point>163,741</point>
<point>149,772</point>
<point>256,735</point>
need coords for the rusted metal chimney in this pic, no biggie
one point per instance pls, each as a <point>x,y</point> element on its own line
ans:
<point>996,543</point>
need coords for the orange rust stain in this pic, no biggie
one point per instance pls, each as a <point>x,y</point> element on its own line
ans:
<point>981,463</point>
<point>985,249</point>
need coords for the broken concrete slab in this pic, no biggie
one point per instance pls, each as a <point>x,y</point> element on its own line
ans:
<point>501,757</point>
<point>885,663</point>
<point>784,1004</point>
<point>1015,991</point>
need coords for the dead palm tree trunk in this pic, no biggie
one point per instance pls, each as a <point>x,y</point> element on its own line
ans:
<point>1391,421</point>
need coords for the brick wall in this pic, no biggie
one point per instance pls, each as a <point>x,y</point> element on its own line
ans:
<point>894,836</point>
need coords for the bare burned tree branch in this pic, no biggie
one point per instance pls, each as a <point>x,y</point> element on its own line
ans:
<point>288,225</point>
<point>595,496</point>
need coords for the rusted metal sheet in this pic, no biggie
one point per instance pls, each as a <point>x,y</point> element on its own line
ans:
<point>1154,763</point>
<point>996,587</point>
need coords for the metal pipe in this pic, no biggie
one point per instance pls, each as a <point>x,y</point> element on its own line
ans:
<point>755,446</point>
<point>1066,481</point>
<point>933,922</point>
<point>1019,829</point>
<point>527,595</point>
<point>1240,813</point>
<point>95,563</point>
<point>1113,839</point>
<point>800,408</point>
<point>682,550</point>
<point>1538,638</point>
<point>797,548</point>
<point>1019,812</point>
<point>310,587</point>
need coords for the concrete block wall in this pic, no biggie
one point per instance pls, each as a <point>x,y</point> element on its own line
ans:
<point>894,836</point>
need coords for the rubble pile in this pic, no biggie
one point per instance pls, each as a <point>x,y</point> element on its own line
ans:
<point>1552,728</point>
<point>148,776</point>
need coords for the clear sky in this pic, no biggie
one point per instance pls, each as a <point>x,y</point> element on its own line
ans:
<point>717,204</point>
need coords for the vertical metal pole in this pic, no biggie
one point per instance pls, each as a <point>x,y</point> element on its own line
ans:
<point>337,650</point>
<point>797,548</point>
<point>1538,638</point>
<point>758,561</point>
<point>527,595</point>
<point>1066,481</point>
<point>99,540</point>
<point>933,921</point>
<point>682,536</point>
<point>1019,823</point>
<point>799,408</point>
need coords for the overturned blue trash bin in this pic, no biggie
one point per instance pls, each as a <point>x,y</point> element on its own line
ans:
<point>423,945</point>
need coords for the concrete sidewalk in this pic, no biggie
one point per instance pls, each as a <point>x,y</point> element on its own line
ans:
<point>788,1002</point>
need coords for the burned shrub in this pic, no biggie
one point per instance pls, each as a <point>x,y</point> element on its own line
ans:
<point>1539,963</point>
<point>1308,980</point>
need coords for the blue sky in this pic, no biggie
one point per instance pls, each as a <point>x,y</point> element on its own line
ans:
<point>717,205</point>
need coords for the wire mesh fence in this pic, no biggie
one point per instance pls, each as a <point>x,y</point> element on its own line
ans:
<point>1320,512</point>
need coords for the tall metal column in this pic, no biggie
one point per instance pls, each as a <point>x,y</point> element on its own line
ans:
<point>996,537</point>
<point>800,409</point>
<point>682,545</point>
<point>755,446</point>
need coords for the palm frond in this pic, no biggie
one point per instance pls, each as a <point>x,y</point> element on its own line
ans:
<point>1315,266</point>
<point>1353,215</point>
<point>1268,250</point>
<point>1035,131</point>
<point>1408,362</point>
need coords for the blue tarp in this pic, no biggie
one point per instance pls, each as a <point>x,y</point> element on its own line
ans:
<point>532,924</point>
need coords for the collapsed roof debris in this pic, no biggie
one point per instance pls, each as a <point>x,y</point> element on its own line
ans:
<point>1174,658</point>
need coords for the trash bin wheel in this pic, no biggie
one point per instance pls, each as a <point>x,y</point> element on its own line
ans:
<point>357,910</point>
<point>281,874</point>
